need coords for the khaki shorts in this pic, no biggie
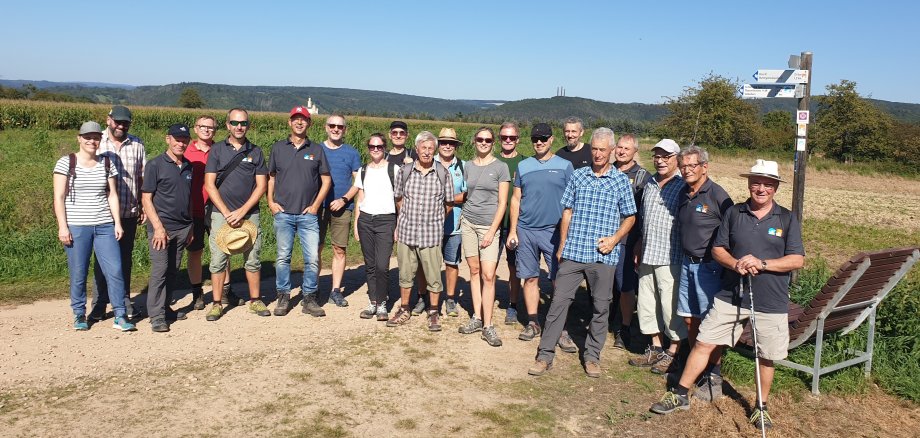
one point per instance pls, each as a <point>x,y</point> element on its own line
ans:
<point>472,236</point>
<point>724,323</point>
<point>338,223</point>
<point>409,259</point>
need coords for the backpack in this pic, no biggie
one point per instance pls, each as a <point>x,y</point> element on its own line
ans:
<point>391,170</point>
<point>640,180</point>
<point>72,172</point>
<point>439,170</point>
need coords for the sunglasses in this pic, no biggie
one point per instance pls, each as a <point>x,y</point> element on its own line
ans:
<point>447,143</point>
<point>509,137</point>
<point>398,133</point>
<point>541,139</point>
<point>375,146</point>
<point>488,140</point>
<point>334,126</point>
<point>239,122</point>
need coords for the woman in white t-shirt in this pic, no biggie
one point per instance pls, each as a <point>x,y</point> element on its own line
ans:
<point>84,199</point>
<point>375,224</point>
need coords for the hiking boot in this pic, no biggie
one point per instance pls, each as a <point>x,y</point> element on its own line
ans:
<point>369,312</point>
<point>472,326</point>
<point>311,307</point>
<point>79,323</point>
<point>708,388</point>
<point>228,293</point>
<point>511,316</point>
<point>215,313</point>
<point>566,344</point>
<point>539,368</point>
<point>282,304</point>
<point>434,321</point>
<point>491,336</point>
<point>670,403</point>
<point>173,315</point>
<point>620,340</point>
<point>337,298</point>
<point>258,307</point>
<point>159,325</point>
<point>531,330</point>
<point>664,363</point>
<point>197,299</point>
<point>399,318</point>
<point>419,307</point>
<point>382,314</point>
<point>450,306</point>
<point>763,416</point>
<point>647,359</point>
<point>592,369</point>
<point>122,324</point>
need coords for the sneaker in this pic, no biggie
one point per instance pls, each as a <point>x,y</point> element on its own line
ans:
<point>258,307</point>
<point>96,315</point>
<point>531,330</point>
<point>174,315</point>
<point>566,344</point>
<point>337,298</point>
<point>159,325</point>
<point>121,323</point>
<point>670,403</point>
<point>472,326</point>
<point>593,369</point>
<point>511,316</point>
<point>539,368</point>
<point>647,359</point>
<point>311,307</point>
<point>197,299</point>
<point>451,307</point>
<point>761,416</point>
<point>708,388</point>
<point>382,314</point>
<point>131,312</point>
<point>401,317</point>
<point>419,307</point>
<point>664,363</point>
<point>369,312</point>
<point>282,304</point>
<point>215,313</point>
<point>491,336</point>
<point>434,321</point>
<point>79,323</point>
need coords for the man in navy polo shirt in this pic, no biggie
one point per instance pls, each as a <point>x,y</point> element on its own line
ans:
<point>760,239</point>
<point>298,183</point>
<point>166,197</point>
<point>336,219</point>
<point>235,201</point>
<point>535,215</point>
<point>599,210</point>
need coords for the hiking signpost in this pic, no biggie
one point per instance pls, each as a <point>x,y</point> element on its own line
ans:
<point>794,81</point>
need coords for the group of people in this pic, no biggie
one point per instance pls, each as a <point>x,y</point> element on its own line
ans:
<point>669,244</point>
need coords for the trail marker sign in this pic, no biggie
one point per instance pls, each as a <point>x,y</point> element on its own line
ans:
<point>801,116</point>
<point>762,91</point>
<point>788,76</point>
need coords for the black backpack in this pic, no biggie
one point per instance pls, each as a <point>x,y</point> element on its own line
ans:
<point>391,170</point>
<point>72,172</point>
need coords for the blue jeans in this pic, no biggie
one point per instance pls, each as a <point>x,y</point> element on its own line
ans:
<point>307,228</point>
<point>699,283</point>
<point>101,240</point>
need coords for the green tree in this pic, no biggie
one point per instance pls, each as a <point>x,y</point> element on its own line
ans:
<point>779,131</point>
<point>711,113</point>
<point>849,128</point>
<point>190,98</point>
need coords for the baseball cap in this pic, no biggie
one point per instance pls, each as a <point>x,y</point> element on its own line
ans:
<point>121,113</point>
<point>399,124</point>
<point>178,130</point>
<point>90,128</point>
<point>667,145</point>
<point>300,111</point>
<point>541,130</point>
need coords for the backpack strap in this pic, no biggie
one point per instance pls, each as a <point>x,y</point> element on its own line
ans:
<point>222,174</point>
<point>71,173</point>
<point>391,170</point>
<point>363,172</point>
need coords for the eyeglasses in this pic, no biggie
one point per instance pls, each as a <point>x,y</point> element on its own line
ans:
<point>662,157</point>
<point>447,143</point>
<point>375,146</point>
<point>206,127</point>
<point>243,123</point>
<point>541,139</point>
<point>509,137</point>
<point>765,186</point>
<point>334,126</point>
<point>690,166</point>
<point>396,133</point>
<point>488,140</point>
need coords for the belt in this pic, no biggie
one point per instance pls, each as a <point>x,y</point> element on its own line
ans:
<point>697,260</point>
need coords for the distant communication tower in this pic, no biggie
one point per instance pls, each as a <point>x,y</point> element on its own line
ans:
<point>560,91</point>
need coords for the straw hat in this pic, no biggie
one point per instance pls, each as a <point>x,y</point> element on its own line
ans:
<point>236,240</point>
<point>764,168</point>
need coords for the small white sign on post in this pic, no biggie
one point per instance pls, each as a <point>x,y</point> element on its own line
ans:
<point>802,130</point>
<point>800,145</point>
<point>801,117</point>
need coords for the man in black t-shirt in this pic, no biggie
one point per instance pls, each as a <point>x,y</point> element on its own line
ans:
<point>575,151</point>
<point>398,154</point>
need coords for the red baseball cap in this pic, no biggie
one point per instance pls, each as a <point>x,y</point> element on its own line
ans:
<point>300,111</point>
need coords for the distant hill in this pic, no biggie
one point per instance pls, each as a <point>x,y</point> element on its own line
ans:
<point>18,83</point>
<point>560,107</point>
<point>904,112</point>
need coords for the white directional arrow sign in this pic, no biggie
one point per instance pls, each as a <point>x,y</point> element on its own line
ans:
<point>781,76</point>
<point>763,91</point>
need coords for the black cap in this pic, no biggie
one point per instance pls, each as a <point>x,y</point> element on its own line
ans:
<point>541,130</point>
<point>120,113</point>
<point>399,124</point>
<point>179,130</point>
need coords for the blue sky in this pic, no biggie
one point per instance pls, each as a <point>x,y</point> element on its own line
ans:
<point>612,51</point>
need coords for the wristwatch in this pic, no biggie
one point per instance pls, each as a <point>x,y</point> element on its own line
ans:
<point>344,199</point>
<point>763,265</point>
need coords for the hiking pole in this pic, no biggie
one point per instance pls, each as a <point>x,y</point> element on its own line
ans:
<point>763,428</point>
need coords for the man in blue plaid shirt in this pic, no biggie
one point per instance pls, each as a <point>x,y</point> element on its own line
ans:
<point>598,212</point>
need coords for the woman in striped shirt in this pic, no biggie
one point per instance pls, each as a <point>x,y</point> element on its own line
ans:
<point>84,199</point>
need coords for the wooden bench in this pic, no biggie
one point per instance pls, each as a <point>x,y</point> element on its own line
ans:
<point>848,298</point>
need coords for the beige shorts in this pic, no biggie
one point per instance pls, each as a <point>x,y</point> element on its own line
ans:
<point>724,323</point>
<point>338,224</point>
<point>472,236</point>
<point>411,257</point>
